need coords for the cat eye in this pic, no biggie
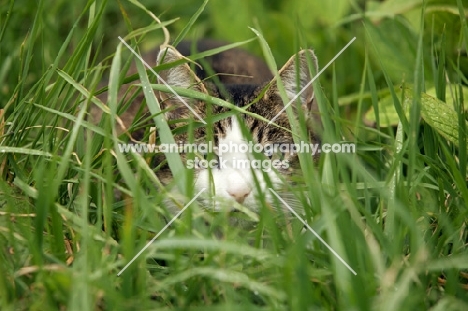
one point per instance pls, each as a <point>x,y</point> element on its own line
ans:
<point>213,157</point>
<point>203,161</point>
<point>278,155</point>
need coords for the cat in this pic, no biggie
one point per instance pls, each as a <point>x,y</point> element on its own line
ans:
<point>243,79</point>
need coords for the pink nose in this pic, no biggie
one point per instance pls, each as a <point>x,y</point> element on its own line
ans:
<point>239,193</point>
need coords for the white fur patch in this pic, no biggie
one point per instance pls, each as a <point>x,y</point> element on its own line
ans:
<point>233,181</point>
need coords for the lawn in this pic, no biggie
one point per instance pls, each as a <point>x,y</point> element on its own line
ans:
<point>386,225</point>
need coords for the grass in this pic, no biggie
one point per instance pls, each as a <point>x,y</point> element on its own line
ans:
<point>396,211</point>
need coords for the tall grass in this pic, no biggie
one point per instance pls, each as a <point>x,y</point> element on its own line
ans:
<point>395,211</point>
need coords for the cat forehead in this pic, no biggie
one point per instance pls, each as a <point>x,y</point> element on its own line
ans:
<point>234,133</point>
<point>239,94</point>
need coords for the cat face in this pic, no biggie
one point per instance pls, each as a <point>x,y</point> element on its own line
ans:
<point>245,157</point>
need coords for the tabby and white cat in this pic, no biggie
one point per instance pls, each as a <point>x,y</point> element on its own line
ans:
<point>244,81</point>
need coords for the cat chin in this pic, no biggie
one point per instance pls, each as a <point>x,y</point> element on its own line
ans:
<point>245,213</point>
<point>225,203</point>
<point>235,186</point>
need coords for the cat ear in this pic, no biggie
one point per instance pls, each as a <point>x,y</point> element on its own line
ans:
<point>177,76</point>
<point>294,82</point>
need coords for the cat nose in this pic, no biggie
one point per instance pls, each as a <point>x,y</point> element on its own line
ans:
<point>239,192</point>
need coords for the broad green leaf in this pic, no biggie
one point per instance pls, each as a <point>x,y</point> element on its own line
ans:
<point>387,113</point>
<point>318,12</point>
<point>449,94</point>
<point>439,115</point>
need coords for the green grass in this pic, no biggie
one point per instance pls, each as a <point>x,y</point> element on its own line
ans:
<point>396,211</point>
